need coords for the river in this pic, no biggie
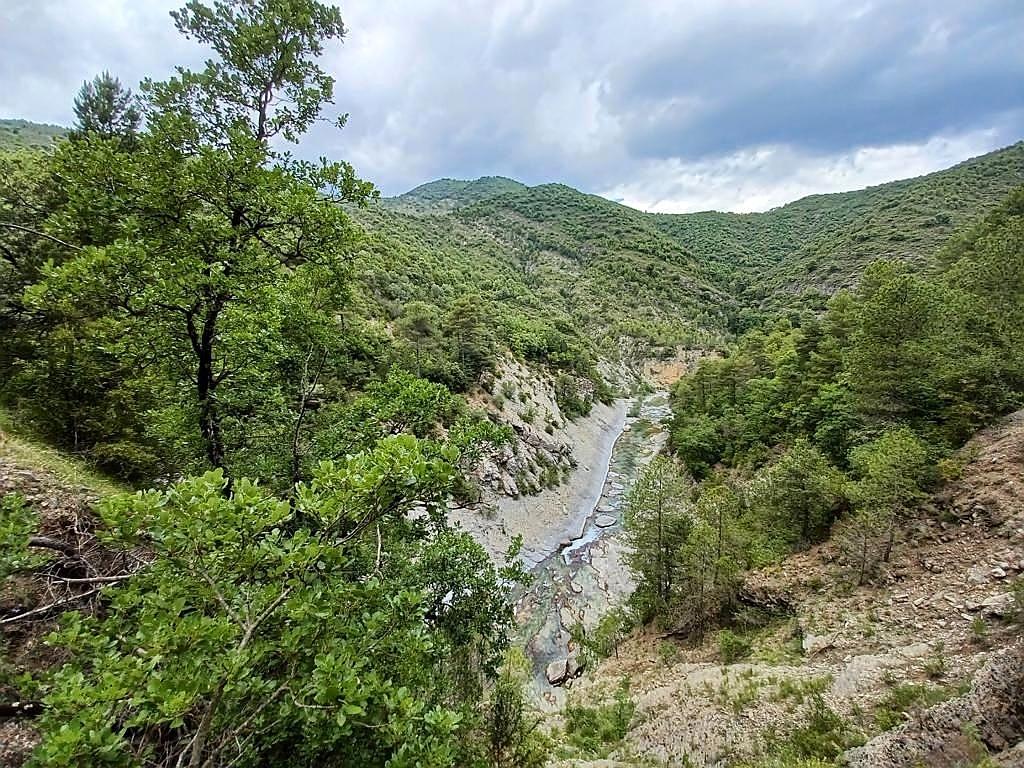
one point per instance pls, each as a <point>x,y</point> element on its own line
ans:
<point>585,576</point>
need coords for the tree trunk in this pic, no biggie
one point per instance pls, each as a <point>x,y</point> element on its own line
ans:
<point>206,384</point>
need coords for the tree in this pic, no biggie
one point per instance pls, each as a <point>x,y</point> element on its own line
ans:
<point>212,224</point>
<point>658,518</point>
<point>513,739</point>
<point>106,109</point>
<point>862,538</point>
<point>260,632</point>
<point>896,351</point>
<point>800,493</point>
<point>891,472</point>
<point>719,506</point>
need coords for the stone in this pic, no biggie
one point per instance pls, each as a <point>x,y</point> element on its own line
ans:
<point>998,606</point>
<point>556,672</point>
<point>976,575</point>
<point>604,521</point>
<point>814,644</point>
<point>563,671</point>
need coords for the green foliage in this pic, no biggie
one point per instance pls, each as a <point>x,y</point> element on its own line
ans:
<point>903,700</point>
<point>22,134</point>
<point>798,496</point>
<point>686,556</point>
<point>513,739</point>
<point>17,523</point>
<point>265,632</point>
<point>602,640</point>
<point>107,109</point>
<point>732,647</point>
<point>594,730</point>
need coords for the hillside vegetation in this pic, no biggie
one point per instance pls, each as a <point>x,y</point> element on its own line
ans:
<point>22,134</point>
<point>686,278</point>
<point>299,380</point>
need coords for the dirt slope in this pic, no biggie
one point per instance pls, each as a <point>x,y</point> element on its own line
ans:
<point>941,613</point>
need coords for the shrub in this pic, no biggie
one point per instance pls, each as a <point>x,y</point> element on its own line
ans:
<point>594,729</point>
<point>732,647</point>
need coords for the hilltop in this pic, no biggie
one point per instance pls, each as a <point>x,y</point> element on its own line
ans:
<point>621,275</point>
<point>23,134</point>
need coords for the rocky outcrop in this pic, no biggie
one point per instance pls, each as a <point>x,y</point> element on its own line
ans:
<point>564,670</point>
<point>988,720</point>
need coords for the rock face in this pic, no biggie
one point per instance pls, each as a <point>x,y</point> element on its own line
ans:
<point>987,720</point>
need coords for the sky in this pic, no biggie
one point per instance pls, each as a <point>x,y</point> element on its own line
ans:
<point>737,105</point>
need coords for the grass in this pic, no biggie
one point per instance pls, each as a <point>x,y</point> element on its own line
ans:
<point>905,699</point>
<point>595,731</point>
<point>33,455</point>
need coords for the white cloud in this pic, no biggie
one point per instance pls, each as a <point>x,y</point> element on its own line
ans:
<point>767,177</point>
<point>731,104</point>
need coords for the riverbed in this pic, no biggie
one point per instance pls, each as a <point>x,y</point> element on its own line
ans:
<point>584,576</point>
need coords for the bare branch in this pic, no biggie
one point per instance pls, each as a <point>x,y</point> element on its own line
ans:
<point>37,233</point>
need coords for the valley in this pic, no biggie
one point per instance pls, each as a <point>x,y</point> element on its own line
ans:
<point>489,474</point>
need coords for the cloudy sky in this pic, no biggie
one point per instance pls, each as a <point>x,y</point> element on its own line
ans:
<point>669,106</point>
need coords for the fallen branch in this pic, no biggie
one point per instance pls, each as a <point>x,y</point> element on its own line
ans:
<point>94,579</point>
<point>46,542</point>
<point>44,609</point>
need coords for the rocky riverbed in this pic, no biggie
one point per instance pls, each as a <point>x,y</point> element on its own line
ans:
<point>584,576</point>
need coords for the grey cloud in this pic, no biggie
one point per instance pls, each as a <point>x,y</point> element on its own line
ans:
<point>600,94</point>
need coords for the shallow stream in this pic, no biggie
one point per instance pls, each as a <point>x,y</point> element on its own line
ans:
<point>586,577</point>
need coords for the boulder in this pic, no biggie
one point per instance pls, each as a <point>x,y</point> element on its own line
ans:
<point>556,672</point>
<point>998,606</point>
<point>562,671</point>
<point>814,644</point>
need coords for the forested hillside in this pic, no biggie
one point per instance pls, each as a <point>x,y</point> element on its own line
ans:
<point>690,278</point>
<point>244,401</point>
<point>22,134</point>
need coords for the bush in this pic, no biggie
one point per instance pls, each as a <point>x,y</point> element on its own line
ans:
<point>593,730</point>
<point>732,647</point>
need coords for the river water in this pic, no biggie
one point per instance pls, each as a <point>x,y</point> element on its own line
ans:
<point>586,576</point>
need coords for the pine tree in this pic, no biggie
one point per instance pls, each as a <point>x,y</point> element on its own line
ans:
<point>107,109</point>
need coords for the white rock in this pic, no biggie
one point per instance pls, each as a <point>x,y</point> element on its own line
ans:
<point>998,605</point>
<point>814,644</point>
<point>556,672</point>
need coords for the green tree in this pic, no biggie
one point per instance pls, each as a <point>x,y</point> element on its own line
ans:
<point>658,517</point>
<point>260,632</point>
<point>211,223</point>
<point>105,108</point>
<point>891,472</point>
<point>800,493</point>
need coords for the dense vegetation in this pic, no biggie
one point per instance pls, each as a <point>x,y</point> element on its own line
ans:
<point>282,355</point>
<point>840,419</point>
<point>22,134</point>
<point>177,299</point>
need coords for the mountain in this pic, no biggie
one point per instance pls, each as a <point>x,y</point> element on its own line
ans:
<point>22,134</point>
<point>615,273</point>
<point>447,194</point>
<point>824,241</point>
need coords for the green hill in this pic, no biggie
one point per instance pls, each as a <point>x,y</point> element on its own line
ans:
<point>615,273</point>
<point>448,194</point>
<point>22,134</point>
<point>822,242</point>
